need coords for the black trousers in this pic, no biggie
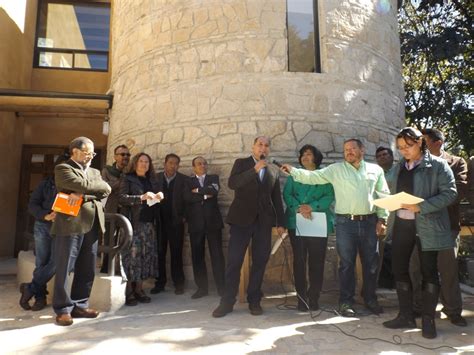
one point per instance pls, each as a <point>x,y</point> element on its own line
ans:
<point>403,243</point>
<point>309,254</point>
<point>240,236</point>
<point>198,250</point>
<point>76,253</point>
<point>172,234</point>
<point>450,292</point>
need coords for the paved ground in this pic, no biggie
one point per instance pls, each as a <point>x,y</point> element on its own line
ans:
<point>178,324</point>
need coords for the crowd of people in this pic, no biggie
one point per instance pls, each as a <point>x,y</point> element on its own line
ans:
<point>412,249</point>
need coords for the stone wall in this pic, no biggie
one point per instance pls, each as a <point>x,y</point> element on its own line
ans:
<point>205,77</point>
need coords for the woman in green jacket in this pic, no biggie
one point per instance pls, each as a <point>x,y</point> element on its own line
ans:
<point>311,251</point>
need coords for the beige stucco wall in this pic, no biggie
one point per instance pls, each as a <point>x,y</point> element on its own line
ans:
<point>205,77</point>
<point>16,54</point>
<point>17,35</point>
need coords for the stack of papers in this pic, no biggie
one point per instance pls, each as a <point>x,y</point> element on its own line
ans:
<point>394,202</point>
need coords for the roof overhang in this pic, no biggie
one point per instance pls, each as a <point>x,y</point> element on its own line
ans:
<point>29,103</point>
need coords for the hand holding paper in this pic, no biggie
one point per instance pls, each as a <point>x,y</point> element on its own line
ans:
<point>156,199</point>
<point>395,202</point>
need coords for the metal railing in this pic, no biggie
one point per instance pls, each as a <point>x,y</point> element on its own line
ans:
<point>119,236</point>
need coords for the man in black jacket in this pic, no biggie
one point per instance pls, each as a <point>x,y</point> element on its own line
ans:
<point>256,208</point>
<point>171,226</point>
<point>204,222</point>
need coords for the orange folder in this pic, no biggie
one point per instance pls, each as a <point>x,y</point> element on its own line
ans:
<point>62,206</point>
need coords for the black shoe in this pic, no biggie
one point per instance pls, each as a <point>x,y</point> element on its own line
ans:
<point>222,310</point>
<point>39,304</point>
<point>142,297</point>
<point>374,307</point>
<point>458,320</point>
<point>131,300</point>
<point>302,307</point>
<point>255,309</point>
<point>179,290</point>
<point>26,296</point>
<point>313,306</point>
<point>347,310</point>
<point>401,322</point>
<point>199,294</point>
<point>157,289</point>
<point>428,327</point>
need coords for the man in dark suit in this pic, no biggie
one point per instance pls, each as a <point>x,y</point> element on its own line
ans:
<point>204,221</point>
<point>171,226</point>
<point>76,237</point>
<point>256,208</point>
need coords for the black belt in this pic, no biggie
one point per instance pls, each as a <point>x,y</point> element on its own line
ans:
<point>356,217</point>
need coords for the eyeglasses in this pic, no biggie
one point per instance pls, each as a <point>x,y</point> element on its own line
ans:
<point>123,154</point>
<point>89,154</point>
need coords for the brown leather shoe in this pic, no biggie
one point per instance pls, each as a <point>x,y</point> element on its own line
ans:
<point>64,319</point>
<point>78,312</point>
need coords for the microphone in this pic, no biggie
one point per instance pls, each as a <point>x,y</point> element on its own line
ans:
<point>262,157</point>
<point>277,163</point>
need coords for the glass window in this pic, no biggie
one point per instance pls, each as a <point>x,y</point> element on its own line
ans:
<point>303,36</point>
<point>73,35</point>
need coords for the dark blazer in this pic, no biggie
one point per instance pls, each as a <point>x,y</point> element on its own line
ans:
<point>69,177</point>
<point>202,214</point>
<point>459,167</point>
<point>253,198</point>
<point>111,176</point>
<point>129,192</point>
<point>178,198</point>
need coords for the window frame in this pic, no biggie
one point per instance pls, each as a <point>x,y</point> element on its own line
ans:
<point>317,41</point>
<point>37,50</point>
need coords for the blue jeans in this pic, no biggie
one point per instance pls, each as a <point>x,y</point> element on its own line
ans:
<point>75,252</point>
<point>353,237</point>
<point>44,259</point>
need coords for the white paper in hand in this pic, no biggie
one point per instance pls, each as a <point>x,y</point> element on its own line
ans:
<point>394,202</point>
<point>157,199</point>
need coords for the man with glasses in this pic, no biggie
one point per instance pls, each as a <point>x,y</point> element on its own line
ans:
<point>76,236</point>
<point>111,175</point>
<point>358,222</point>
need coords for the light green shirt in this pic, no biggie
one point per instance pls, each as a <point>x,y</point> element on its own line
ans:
<point>355,189</point>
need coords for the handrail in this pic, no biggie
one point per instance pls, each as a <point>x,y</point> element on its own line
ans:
<point>122,226</point>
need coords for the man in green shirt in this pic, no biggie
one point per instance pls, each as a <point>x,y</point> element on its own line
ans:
<point>358,221</point>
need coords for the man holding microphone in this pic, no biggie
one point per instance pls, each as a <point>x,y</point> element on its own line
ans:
<point>256,208</point>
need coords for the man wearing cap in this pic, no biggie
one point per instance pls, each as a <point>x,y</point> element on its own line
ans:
<point>358,222</point>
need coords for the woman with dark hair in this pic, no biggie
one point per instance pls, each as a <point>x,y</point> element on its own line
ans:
<point>425,224</point>
<point>140,260</point>
<point>311,251</point>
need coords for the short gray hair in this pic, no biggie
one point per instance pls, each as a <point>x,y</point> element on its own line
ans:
<point>79,142</point>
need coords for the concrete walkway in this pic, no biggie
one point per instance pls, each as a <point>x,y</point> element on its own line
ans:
<point>172,324</point>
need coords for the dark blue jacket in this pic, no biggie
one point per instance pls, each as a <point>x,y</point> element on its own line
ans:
<point>434,182</point>
<point>42,199</point>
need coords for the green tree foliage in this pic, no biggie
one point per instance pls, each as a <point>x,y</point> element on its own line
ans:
<point>301,51</point>
<point>436,47</point>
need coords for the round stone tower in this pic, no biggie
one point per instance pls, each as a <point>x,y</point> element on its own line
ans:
<point>205,77</point>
